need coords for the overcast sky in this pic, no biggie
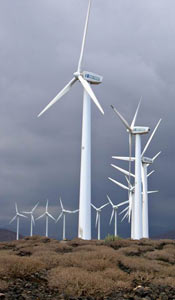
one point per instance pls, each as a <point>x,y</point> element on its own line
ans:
<point>130,43</point>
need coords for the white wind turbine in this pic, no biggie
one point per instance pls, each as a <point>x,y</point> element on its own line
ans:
<point>85,78</point>
<point>17,218</point>
<point>137,131</point>
<point>114,214</point>
<point>47,215</point>
<point>63,214</point>
<point>32,220</point>
<point>98,217</point>
<point>131,208</point>
<point>145,162</point>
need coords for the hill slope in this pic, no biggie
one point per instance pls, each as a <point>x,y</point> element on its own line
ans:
<point>40,268</point>
<point>7,235</point>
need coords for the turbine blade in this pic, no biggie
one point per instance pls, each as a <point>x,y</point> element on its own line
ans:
<point>88,89</point>
<point>122,118</point>
<point>16,207</point>
<point>64,91</point>
<point>150,173</point>
<point>126,215</point>
<point>61,204</point>
<point>122,203</point>
<point>59,217</point>
<point>23,216</point>
<point>47,203</point>
<point>104,206</point>
<point>110,201</point>
<point>123,158</point>
<point>40,217</point>
<point>112,215</point>
<point>119,184</point>
<point>13,219</point>
<point>94,206</point>
<point>152,192</point>
<point>75,211</point>
<point>151,137</point>
<point>97,217</point>
<point>84,38</point>
<point>136,113</point>
<point>51,217</point>
<point>156,156</point>
<point>125,209</point>
<point>129,184</point>
<point>68,211</point>
<point>122,170</point>
<point>35,207</point>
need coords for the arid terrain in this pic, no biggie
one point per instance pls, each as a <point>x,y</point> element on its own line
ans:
<point>41,268</point>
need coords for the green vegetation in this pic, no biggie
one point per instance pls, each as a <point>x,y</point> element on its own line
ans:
<point>111,238</point>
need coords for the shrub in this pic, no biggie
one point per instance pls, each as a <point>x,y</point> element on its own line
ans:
<point>76,283</point>
<point>111,238</point>
<point>162,255</point>
<point>3,285</point>
<point>18,267</point>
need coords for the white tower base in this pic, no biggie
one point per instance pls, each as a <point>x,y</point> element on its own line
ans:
<point>138,189</point>
<point>145,202</point>
<point>133,216</point>
<point>84,228</point>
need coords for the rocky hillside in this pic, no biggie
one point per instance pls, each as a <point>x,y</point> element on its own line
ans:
<point>40,268</point>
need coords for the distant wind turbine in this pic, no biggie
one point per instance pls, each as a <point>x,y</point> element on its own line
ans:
<point>32,220</point>
<point>114,214</point>
<point>63,214</point>
<point>131,207</point>
<point>17,218</point>
<point>137,131</point>
<point>47,215</point>
<point>145,162</point>
<point>98,217</point>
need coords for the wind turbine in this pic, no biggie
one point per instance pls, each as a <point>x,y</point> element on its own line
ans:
<point>47,215</point>
<point>114,214</point>
<point>98,217</point>
<point>17,218</point>
<point>63,214</point>
<point>145,162</point>
<point>32,220</point>
<point>137,131</point>
<point>86,79</point>
<point>131,208</point>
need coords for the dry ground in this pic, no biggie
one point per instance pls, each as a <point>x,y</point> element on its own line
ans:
<point>40,268</point>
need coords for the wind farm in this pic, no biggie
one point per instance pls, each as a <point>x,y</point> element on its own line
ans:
<point>87,191</point>
<point>135,200</point>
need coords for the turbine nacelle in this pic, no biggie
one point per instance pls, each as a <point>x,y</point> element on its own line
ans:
<point>147,160</point>
<point>92,77</point>
<point>140,130</point>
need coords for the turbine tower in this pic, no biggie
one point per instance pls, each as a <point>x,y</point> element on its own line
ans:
<point>32,220</point>
<point>98,217</point>
<point>137,131</point>
<point>131,208</point>
<point>47,215</point>
<point>86,79</point>
<point>114,214</point>
<point>145,162</point>
<point>17,218</point>
<point>63,214</point>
